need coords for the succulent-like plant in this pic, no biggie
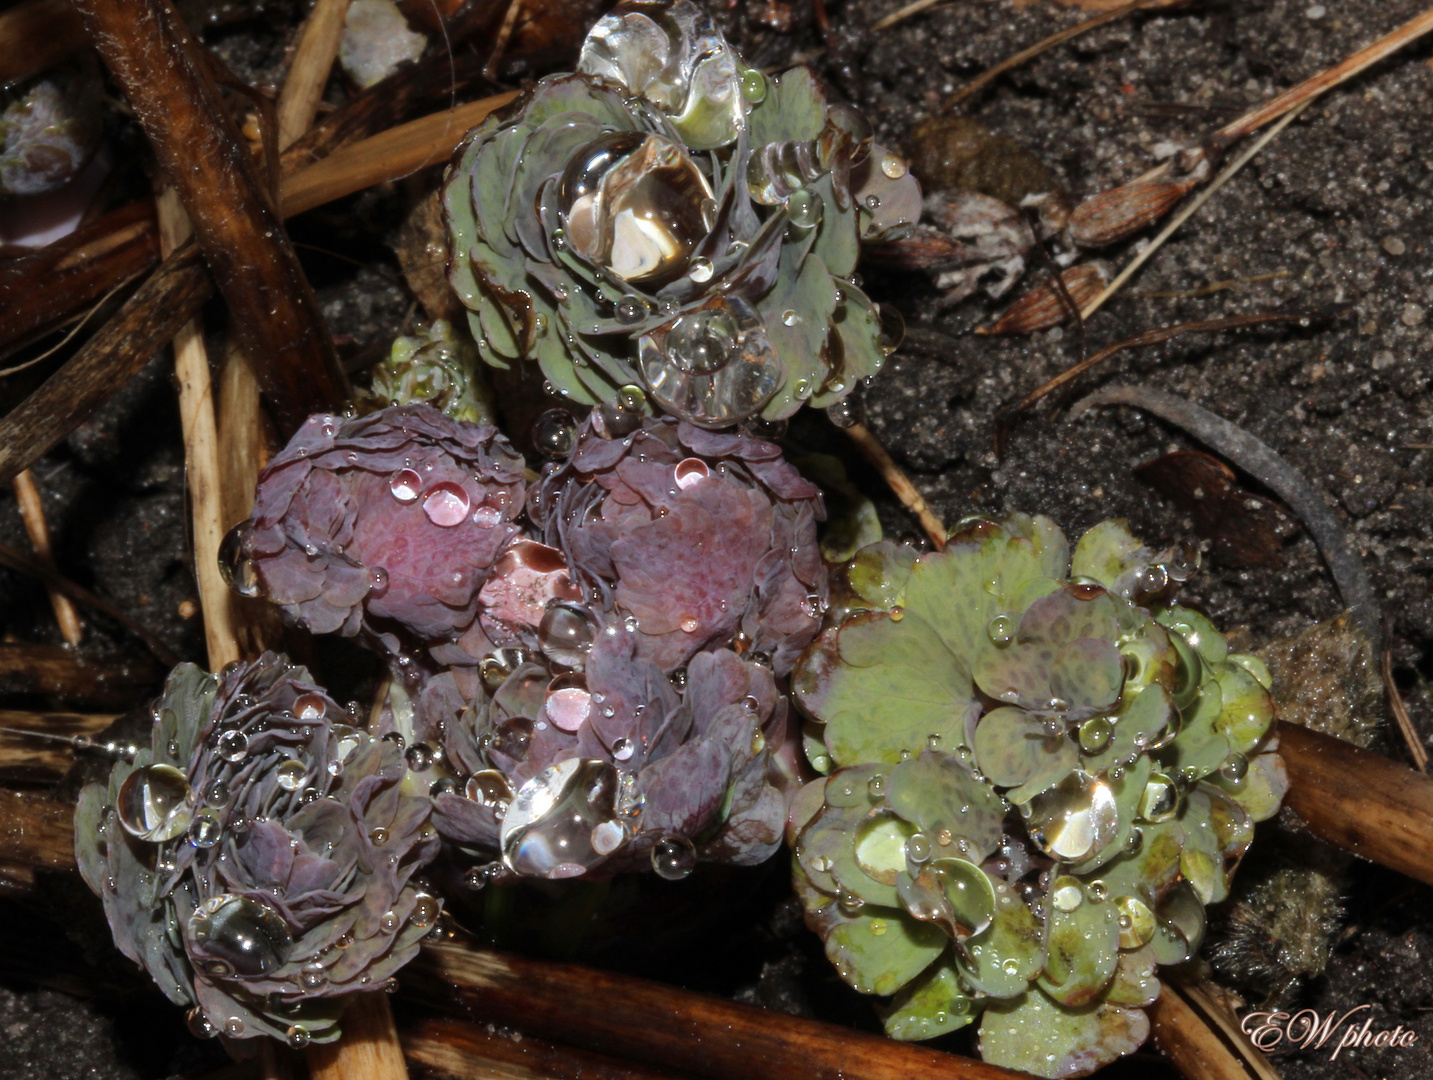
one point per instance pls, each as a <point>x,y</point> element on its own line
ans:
<point>697,539</point>
<point>612,766</point>
<point>257,858</point>
<point>436,365</point>
<point>390,521</point>
<point>1036,782</point>
<point>669,220</point>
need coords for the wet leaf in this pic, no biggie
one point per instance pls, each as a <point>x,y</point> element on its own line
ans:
<point>1034,1034</point>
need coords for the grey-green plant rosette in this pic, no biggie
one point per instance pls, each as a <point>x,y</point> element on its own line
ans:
<point>1040,772</point>
<point>669,222</point>
<point>256,859</point>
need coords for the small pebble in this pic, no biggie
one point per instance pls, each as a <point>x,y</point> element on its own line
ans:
<point>1413,315</point>
<point>1316,11</point>
<point>1382,360</point>
<point>1394,245</point>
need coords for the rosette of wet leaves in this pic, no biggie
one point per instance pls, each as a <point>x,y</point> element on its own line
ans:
<point>436,365</point>
<point>1036,783</point>
<point>696,539</point>
<point>390,520</point>
<point>616,767</point>
<point>668,222</point>
<point>256,859</point>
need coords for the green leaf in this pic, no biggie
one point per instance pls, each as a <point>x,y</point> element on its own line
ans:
<point>930,1005</point>
<point>1262,788</point>
<point>879,950</point>
<point>794,108</point>
<point>938,793</point>
<point>1134,982</point>
<point>879,573</point>
<point>1001,961</point>
<point>851,519</point>
<point>895,686</point>
<point>1109,554</point>
<point>1081,945</point>
<point>1034,1034</point>
<point>1247,710</point>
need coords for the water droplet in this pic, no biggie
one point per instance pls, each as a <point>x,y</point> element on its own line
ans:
<point>1011,967</point>
<point>419,757</point>
<point>630,309</point>
<point>674,857</point>
<point>476,879</point>
<point>878,927</point>
<point>246,935</point>
<point>446,504</point>
<point>1160,799</point>
<point>633,202</point>
<point>893,165</point>
<point>918,848</point>
<point>310,707</point>
<point>702,342</point>
<point>235,566</point>
<point>233,746</point>
<point>897,613</point>
<point>217,795</point>
<point>803,208</point>
<point>689,624</point>
<point>1134,841</point>
<point>1096,892</point>
<point>608,836</point>
<point>565,633</point>
<point>199,1025</point>
<point>313,976</point>
<point>153,803</point>
<point>678,679</point>
<point>1235,768</point>
<point>623,749</point>
<point>893,328</point>
<point>297,1037</point>
<point>569,703</point>
<point>547,831</point>
<point>700,270</point>
<point>389,922</point>
<point>1136,922</point>
<point>205,829</point>
<point>378,836</point>
<point>876,785</point>
<point>1066,894</point>
<point>690,471</point>
<point>1095,734</point>
<point>554,433</point>
<point>405,485</point>
<point>1075,818</point>
<point>753,86</point>
<point>290,775</point>
<point>488,787</point>
<point>234,1027</point>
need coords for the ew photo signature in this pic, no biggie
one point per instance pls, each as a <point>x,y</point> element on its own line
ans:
<point>1309,1029</point>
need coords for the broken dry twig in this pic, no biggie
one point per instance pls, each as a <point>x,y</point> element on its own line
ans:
<point>900,484</point>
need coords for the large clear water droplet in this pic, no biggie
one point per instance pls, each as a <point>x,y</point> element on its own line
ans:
<point>569,703</point>
<point>446,504</point>
<point>290,775</point>
<point>1076,818</point>
<point>565,633</point>
<point>206,829</point>
<point>690,471</point>
<point>153,803</point>
<point>233,746</point>
<point>243,935</point>
<point>1160,799</point>
<point>713,366</point>
<point>635,203</point>
<point>548,829</point>
<point>235,566</point>
<point>674,857</point>
<point>554,433</point>
<point>310,707</point>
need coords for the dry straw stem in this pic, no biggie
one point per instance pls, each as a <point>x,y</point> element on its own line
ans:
<point>56,671</point>
<point>201,455</point>
<point>369,1048</point>
<point>37,35</point>
<point>1213,1004</point>
<point>32,512</point>
<point>458,1050</point>
<point>165,77</point>
<point>45,760</point>
<point>667,1027</point>
<point>1185,1039</point>
<point>1360,801</point>
<point>313,60</point>
<point>1400,715</point>
<point>1189,211</point>
<point>899,483</point>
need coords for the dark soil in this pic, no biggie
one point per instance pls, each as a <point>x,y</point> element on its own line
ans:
<point>1333,219</point>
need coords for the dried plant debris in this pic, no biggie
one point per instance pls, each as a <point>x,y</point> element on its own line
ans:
<point>1279,928</point>
<point>1040,771</point>
<point>686,233</point>
<point>257,858</point>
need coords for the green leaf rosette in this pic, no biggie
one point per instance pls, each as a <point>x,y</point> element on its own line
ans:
<point>667,223</point>
<point>1040,772</point>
